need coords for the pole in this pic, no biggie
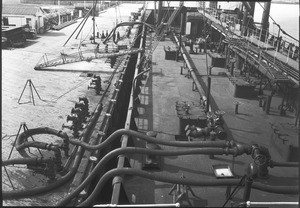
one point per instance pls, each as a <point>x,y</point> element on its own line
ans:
<point>265,20</point>
<point>84,19</point>
<point>94,11</point>
<point>247,189</point>
<point>208,93</point>
<point>155,12</point>
<point>160,12</point>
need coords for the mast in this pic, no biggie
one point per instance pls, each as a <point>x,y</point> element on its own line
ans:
<point>154,12</point>
<point>160,13</point>
<point>94,23</point>
<point>265,20</point>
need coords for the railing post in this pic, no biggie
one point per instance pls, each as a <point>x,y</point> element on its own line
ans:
<point>288,56</point>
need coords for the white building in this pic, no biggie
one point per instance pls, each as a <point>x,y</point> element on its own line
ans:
<point>20,14</point>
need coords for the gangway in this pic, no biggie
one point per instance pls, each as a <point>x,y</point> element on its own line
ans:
<point>258,59</point>
<point>86,55</point>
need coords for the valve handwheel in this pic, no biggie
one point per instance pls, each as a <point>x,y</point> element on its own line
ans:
<point>219,112</point>
<point>260,160</point>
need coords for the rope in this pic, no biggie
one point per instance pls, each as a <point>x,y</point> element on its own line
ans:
<point>73,88</point>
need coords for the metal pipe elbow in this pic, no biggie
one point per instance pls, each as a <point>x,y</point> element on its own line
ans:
<point>241,148</point>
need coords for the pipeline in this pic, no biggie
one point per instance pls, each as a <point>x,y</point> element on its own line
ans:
<point>135,150</point>
<point>139,135</point>
<point>185,181</point>
<point>192,68</point>
<point>283,164</point>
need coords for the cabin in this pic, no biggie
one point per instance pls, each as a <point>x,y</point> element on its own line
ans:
<point>19,15</point>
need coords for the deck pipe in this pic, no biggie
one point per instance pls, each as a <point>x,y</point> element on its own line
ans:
<point>128,123</point>
<point>136,150</point>
<point>167,178</point>
<point>193,74</point>
<point>273,164</point>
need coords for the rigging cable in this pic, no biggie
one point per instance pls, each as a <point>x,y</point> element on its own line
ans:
<point>285,33</point>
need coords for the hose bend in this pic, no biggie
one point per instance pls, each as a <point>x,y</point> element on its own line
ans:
<point>135,150</point>
<point>142,136</point>
<point>21,142</point>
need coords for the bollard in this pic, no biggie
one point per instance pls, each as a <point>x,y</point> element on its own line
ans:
<point>236,111</point>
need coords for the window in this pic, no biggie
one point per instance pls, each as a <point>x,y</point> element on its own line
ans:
<point>5,20</point>
<point>28,20</point>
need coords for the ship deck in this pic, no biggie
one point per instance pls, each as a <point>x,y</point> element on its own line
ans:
<point>157,112</point>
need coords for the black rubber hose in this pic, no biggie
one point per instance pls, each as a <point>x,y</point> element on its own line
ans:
<point>157,177</point>
<point>64,179</point>
<point>136,150</point>
<point>27,161</point>
<point>124,24</point>
<point>185,181</point>
<point>139,135</point>
<point>22,138</point>
<point>283,164</point>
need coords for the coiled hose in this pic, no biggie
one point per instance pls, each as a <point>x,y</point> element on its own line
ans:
<point>21,142</point>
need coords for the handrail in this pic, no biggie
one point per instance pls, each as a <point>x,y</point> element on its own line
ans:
<point>138,205</point>
<point>287,47</point>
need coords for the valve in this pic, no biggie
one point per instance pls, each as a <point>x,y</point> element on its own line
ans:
<point>77,125</point>
<point>72,118</point>
<point>83,107</point>
<point>84,99</point>
<point>95,84</point>
<point>194,131</point>
<point>261,158</point>
<point>79,113</point>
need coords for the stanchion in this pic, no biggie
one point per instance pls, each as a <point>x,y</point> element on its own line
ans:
<point>25,128</point>
<point>31,85</point>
